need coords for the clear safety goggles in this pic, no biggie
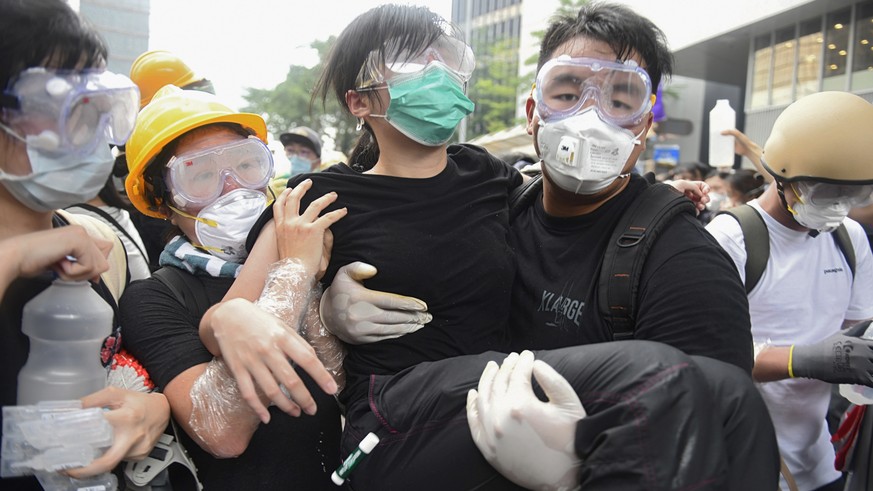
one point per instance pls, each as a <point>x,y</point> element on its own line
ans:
<point>622,92</point>
<point>198,178</point>
<point>824,194</point>
<point>384,65</point>
<point>62,111</point>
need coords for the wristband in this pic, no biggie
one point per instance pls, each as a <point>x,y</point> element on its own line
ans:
<point>790,361</point>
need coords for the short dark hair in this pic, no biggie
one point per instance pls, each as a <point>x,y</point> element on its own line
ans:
<point>621,28</point>
<point>45,33</point>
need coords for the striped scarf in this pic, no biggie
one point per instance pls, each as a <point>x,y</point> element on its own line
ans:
<point>181,254</point>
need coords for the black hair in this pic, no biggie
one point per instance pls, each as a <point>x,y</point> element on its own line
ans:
<point>746,183</point>
<point>45,33</point>
<point>621,28</point>
<point>387,29</point>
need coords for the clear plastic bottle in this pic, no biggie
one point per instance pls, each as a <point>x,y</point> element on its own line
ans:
<point>67,324</point>
<point>721,147</point>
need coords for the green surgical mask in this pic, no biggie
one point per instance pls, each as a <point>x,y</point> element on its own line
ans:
<point>428,105</point>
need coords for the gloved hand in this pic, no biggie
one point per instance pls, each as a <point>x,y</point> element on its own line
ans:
<point>358,315</point>
<point>843,358</point>
<point>529,441</point>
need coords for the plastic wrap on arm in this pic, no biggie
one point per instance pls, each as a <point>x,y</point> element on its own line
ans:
<point>217,405</point>
<point>330,350</point>
<point>292,295</point>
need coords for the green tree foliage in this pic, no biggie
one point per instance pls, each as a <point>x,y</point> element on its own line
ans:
<point>494,88</point>
<point>288,104</point>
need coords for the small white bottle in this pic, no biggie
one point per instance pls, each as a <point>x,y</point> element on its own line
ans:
<point>721,147</point>
<point>66,324</point>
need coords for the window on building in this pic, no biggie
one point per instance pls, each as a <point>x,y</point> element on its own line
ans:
<point>836,50</point>
<point>762,58</point>
<point>784,48</point>
<point>809,45</point>
<point>862,60</point>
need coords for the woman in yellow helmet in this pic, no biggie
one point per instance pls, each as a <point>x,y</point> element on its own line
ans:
<point>205,168</point>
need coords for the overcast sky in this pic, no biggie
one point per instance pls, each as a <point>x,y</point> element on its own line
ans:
<point>251,43</point>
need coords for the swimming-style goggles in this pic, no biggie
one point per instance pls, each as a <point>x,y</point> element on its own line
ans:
<point>385,64</point>
<point>198,178</point>
<point>825,194</point>
<point>621,92</point>
<point>68,111</point>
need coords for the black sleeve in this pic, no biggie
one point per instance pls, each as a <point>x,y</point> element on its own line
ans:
<point>159,331</point>
<point>501,168</point>
<point>691,297</point>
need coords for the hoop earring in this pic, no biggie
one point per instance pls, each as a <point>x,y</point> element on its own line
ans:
<point>360,124</point>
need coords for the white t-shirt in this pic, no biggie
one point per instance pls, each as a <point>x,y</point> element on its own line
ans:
<point>805,293</point>
<point>137,258</point>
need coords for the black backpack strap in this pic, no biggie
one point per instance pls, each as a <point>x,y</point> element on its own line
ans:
<point>522,196</point>
<point>111,221</point>
<point>756,239</point>
<point>626,252</point>
<point>186,288</point>
<point>844,242</point>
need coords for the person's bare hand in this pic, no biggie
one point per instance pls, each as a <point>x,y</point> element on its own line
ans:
<point>696,191</point>
<point>743,145</point>
<point>69,251</point>
<point>303,235</point>
<point>138,420</point>
<point>259,350</point>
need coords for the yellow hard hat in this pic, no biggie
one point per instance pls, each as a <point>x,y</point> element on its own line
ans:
<point>173,113</point>
<point>825,137</point>
<point>155,69</point>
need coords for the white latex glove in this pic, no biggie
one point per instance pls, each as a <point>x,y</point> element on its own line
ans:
<point>358,315</point>
<point>529,441</point>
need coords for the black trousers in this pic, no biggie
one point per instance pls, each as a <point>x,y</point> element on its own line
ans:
<point>657,420</point>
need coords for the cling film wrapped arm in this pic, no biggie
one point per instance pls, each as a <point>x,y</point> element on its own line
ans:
<point>293,295</point>
<point>218,406</point>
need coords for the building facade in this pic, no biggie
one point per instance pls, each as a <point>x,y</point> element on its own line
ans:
<point>124,24</point>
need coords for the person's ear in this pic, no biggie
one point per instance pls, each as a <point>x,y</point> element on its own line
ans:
<point>358,104</point>
<point>529,108</point>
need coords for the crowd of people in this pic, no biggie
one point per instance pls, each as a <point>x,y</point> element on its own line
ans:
<point>572,326</point>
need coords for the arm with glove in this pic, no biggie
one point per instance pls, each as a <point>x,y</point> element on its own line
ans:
<point>530,442</point>
<point>842,358</point>
<point>358,315</point>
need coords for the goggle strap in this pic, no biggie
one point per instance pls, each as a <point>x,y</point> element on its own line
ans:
<point>205,221</point>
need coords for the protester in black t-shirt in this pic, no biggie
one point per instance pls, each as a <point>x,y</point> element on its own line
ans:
<point>204,168</point>
<point>418,410</point>
<point>55,152</point>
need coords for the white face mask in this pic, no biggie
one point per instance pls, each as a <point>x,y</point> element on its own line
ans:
<point>59,181</point>
<point>717,201</point>
<point>583,153</point>
<point>822,218</point>
<point>223,226</point>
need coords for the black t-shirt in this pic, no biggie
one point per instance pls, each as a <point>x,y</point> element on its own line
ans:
<point>441,239</point>
<point>690,295</point>
<point>297,452</point>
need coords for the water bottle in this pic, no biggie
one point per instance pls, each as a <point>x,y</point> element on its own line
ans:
<point>721,147</point>
<point>67,324</point>
<point>859,394</point>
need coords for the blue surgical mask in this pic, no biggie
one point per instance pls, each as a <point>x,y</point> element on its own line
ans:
<point>300,165</point>
<point>428,105</point>
<point>58,181</point>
